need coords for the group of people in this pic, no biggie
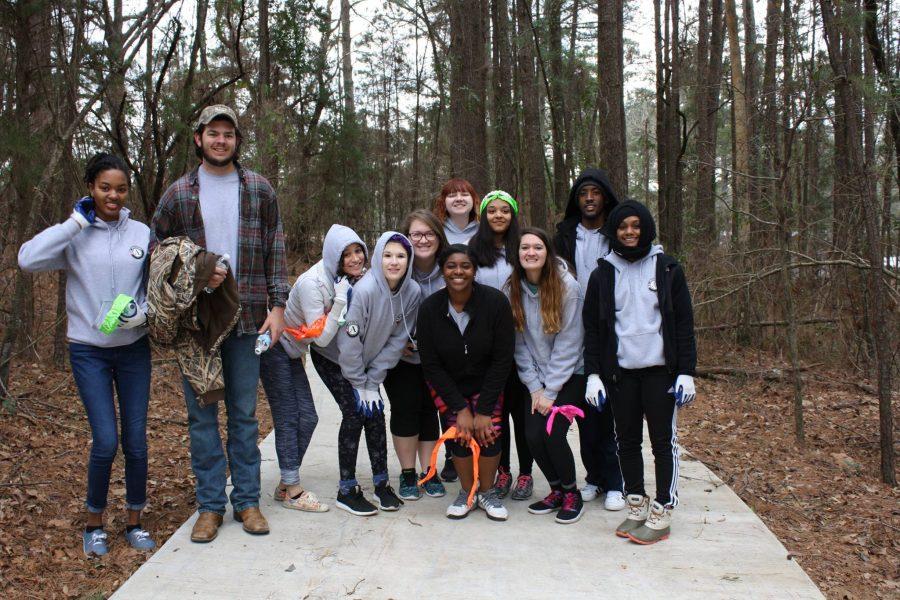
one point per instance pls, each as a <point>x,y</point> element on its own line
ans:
<point>466,320</point>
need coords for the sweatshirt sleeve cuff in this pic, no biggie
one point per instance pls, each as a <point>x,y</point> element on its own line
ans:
<point>550,394</point>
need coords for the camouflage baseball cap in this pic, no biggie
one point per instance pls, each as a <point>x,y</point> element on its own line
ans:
<point>215,111</point>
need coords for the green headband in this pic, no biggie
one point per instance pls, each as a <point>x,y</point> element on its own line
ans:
<point>499,195</point>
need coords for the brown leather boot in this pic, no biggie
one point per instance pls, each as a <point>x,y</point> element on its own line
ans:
<point>253,520</point>
<point>206,528</point>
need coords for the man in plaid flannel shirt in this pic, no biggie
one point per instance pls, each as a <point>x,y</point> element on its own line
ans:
<point>230,210</point>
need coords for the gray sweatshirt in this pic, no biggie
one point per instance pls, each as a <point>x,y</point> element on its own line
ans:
<point>496,275</point>
<point>101,262</point>
<point>590,246</point>
<point>379,323</point>
<point>429,284</point>
<point>455,235</point>
<point>545,360</point>
<point>638,318</point>
<point>313,296</point>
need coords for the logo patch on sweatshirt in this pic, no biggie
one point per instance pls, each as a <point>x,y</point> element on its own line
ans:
<point>136,252</point>
<point>352,328</point>
<point>652,285</point>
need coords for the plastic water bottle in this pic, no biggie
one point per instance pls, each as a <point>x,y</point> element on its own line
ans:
<point>262,343</point>
<point>221,262</point>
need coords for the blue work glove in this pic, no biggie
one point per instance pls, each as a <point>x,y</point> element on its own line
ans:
<point>368,402</point>
<point>595,392</point>
<point>83,212</point>
<point>685,392</point>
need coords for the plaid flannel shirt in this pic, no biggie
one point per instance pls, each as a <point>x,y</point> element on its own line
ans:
<point>261,262</point>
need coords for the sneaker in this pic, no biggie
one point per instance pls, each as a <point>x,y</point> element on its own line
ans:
<point>572,508</point>
<point>503,482</point>
<point>305,501</point>
<point>638,509</point>
<point>434,487</point>
<point>355,503</point>
<point>655,528</point>
<point>386,499</point>
<point>589,492</point>
<point>490,503</point>
<point>139,539</point>
<point>448,473</point>
<point>524,487</point>
<point>409,489</point>
<point>550,504</point>
<point>614,500</point>
<point>94,543</point>
<point>460,507</point>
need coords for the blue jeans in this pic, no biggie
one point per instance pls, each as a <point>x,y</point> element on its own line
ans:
<point>240,366</point>
<point>97,371</point>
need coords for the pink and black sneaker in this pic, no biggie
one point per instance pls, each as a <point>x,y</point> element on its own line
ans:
<point>551,503</point>
<point>572,508</point>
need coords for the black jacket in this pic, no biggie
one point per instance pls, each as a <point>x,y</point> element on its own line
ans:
<point>457,365</point>
<point>599,314</point>
<point>564,242</point>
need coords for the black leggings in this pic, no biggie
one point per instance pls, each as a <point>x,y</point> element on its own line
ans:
<point>552,452</point>
<point>517,403</point>
<point>642,393</point>
<point>412,410</point>
<point>352,425</point>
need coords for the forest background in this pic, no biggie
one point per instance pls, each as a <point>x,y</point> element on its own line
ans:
<point>765,136</point>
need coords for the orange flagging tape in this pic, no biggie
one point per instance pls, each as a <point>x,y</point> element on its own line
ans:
<point>304,331</point>
<point>450,434</point>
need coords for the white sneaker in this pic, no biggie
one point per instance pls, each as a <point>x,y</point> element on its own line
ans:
<point>614,501</point>
<point>460,507</point>
<point>490,503</point>
<point>589,492</point>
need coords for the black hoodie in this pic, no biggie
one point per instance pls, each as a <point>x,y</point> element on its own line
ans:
<point>565,231</point>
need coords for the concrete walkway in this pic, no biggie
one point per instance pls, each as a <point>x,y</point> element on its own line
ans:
<point>718,548</point>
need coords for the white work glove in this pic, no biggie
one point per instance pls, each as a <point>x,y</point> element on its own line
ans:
<point>685,392</point>
<point>83,212</point>
<point>595,392</point>
<point>341,287</point>
<point>368,402</point>
<point>133,316</point>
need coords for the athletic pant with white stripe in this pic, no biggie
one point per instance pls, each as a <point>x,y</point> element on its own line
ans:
<point>640,394</point>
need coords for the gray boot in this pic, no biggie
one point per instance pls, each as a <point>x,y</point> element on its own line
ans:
<point>655,528</point>
<point>638,509</point>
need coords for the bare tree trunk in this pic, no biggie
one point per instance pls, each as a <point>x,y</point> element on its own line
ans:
<point>504,113</point>
<point>611,93</point>
<point>556,96</point>
<point>531,118</point>
<point>848,102</point>
<point>266,118</point>
<point>741,201</point>
<point>709,69</point>
<point>347,61</point>
<point>468,81</point>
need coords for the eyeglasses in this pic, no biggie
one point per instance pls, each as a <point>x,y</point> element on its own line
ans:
<point>418,236</point>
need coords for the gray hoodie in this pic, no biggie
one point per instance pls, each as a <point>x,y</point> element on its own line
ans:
<point>379,323</point>
<point>455,235</point>
<point>313,296</point>
<point>496,275</point>
<point>548,360</point>
<point>590,246</point>
<point>638,317</point>
<point>101,262</point>
<point>429,284</point>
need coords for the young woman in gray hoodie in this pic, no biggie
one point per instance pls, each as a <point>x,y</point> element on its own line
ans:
<point>414,417</point>
<point>455,208</point>
<point>545,300</point>
<point>495,246</point>
<point>379,323</point>
<point>104,254</point>
<point>317,301</point>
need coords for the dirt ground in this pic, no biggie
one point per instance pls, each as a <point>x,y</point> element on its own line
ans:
<point>824,502</point>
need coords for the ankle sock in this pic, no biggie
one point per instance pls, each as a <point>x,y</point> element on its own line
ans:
<point>130,528</point>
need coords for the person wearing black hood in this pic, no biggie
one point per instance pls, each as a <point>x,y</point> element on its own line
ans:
<point>581,241</point>
<point>639,344</point>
